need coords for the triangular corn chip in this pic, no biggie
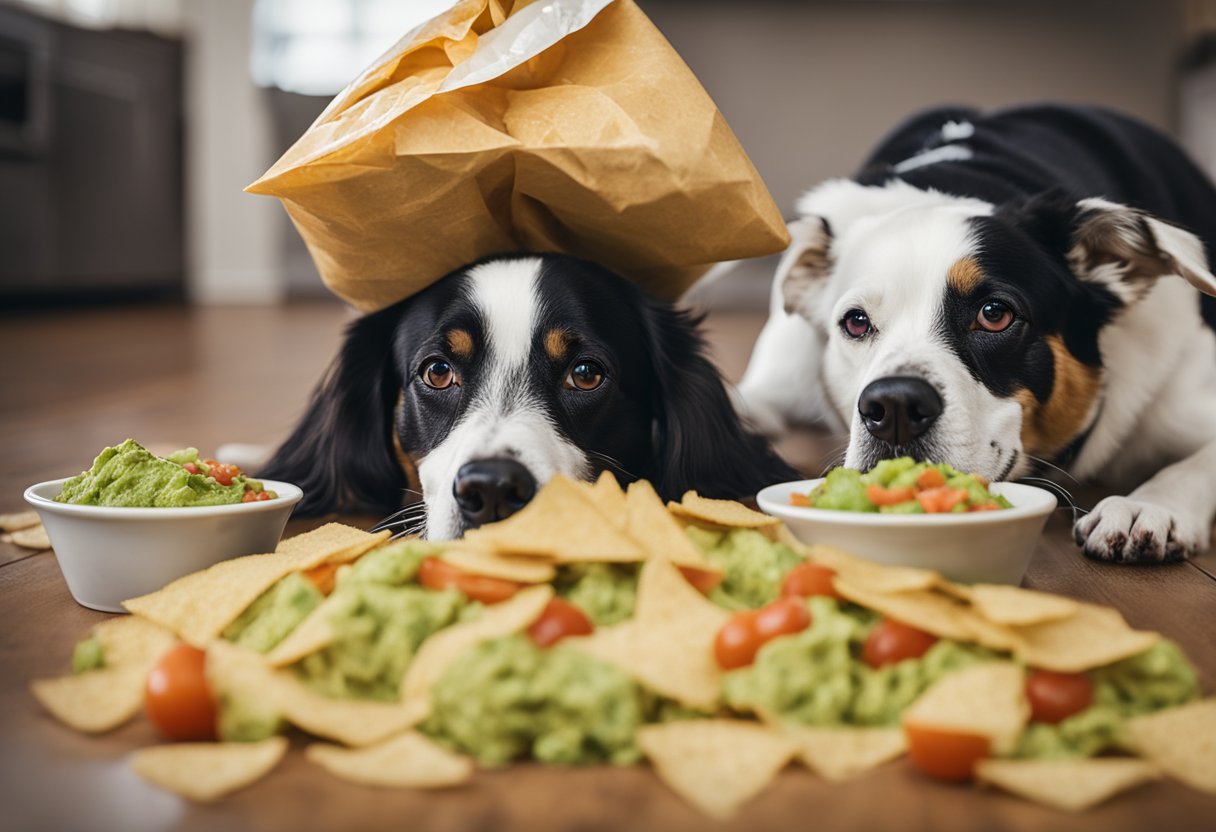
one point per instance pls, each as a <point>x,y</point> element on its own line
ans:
<point>1070,785</point>
<point>920,608</point>
<point>843,753</point>
<point>1181,740</point>
<point>987,700</point>
<point>870,576</point>
<point>206,771</point>
<point>1092,637</point>
<point>409,760</point>
<point>716,765</point>
<point>311,635</point>
<point>693,506</point>
<point>478,561</point>
<point>1019,607</point>
<point>652,526</point>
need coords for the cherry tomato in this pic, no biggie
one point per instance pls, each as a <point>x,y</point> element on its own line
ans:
<point>1054,697</point>
<point>702,579</point>
<point>945,755</point>
<point>737,642</point>
<point>559,619</point>
<point>782,617</point>
<point>880,496</point>
<point>890,642</point>
<point>807,579</point>
<point>177,697</point>
<point>434,573</point>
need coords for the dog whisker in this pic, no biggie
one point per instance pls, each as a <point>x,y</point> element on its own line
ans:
<point>615,463</point>
<point>1039,460</point>
<point>1060,491</point>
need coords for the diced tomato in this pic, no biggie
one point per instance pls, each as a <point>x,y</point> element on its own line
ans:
<point>797,498</point>
<point>222,472</point>
<point>880,496</point>
<point>808,579</point>
<point>264,495</point>
<point>945,755</point>
<point>190,467</point>
<point>434,573</point>
<point>930,478</point>
<point>322,577</point>
<point>782,617</point>
<point>890,642</point>
<point>1054,697</point>
<point>250,496</point>
<point>985,507</point>
<point>703,579</point>
<point>942,499</point>
<point>559,620</point>
<point>737,642</point>
<point>177,697</point>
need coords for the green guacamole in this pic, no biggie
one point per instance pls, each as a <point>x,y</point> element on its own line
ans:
<point>129,475</point>
<point>753,566</point>
<point>847,489</point>
<point>814,678</point>
<point>506,699</point>
<point>1160,677</point>
<point>88,654</point>
<point>604,592</point>
<point>275,613</point>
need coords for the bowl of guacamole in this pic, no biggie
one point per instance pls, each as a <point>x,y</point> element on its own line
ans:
<point>134,521</point>
<point>929,515</point>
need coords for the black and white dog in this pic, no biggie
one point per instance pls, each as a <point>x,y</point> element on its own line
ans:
<point>1008,292</point>
<point>483,386</point>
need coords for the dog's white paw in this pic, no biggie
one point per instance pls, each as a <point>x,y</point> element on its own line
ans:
<point>1124,530</point>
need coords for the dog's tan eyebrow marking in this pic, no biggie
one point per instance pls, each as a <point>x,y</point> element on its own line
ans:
<point>964,275</point>
<point>460,342</point>
<point>1048,427</point>
<point>557,341</point>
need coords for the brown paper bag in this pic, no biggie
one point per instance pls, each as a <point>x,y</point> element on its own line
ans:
<point>499,126</point>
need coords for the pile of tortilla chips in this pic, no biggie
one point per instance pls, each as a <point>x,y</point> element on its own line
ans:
<point>718,762</point>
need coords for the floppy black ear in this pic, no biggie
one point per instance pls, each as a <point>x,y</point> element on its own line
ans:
<point>699,441</point>
<point>341,453</point>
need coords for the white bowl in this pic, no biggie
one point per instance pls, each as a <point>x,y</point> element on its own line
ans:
<point>108,555</point>
<point>982,546</point>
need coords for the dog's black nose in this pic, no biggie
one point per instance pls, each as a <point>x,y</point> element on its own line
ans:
<point>897,409</point>
<point>491,489</point>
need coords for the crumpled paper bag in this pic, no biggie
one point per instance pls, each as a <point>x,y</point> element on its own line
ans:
<point>499,126</point>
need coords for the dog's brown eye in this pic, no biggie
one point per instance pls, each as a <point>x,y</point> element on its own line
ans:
<point>438,374</point>
<point>856,324</point>
<point>994,316</point>
<point>585,375</point>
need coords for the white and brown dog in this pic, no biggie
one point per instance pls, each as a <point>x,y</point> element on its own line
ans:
<point>1007,293</point>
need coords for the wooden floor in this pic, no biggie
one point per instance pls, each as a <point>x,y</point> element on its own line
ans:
<point>73,382</point>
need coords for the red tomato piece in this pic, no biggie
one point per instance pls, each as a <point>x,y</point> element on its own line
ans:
<point>808,579</point>
<point>1054,697</point>
<point>322,577</point>
<point>178,699</point>
<point>702,579</point>
<point>249,497</point>
<point>559,619</point>
<point>942,499</point>
<point>264,495</point>
<point>930,478</point>
<point>190,467</point>
<point>437,574</point>
<point>945,755</point>
<point>737,642</point>
<point>782,617</point>
<point>797,498</point>
<point>890,642</point>
<point>880,496</point>
<point>222,472</point>
<point>985,507</point>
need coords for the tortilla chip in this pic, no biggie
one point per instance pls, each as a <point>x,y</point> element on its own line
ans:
<point>199,606</point>
<point>716,765</point>
<point>923,609</point>
<point>609,498</point>
<point>34,537</point>
<point>720,512</point>
<point>491,564</point>
<point>843,753</point>
<point>1181,740</point>
<point>407,761</point>
<point>103,699</point>
<point>986,699</point>
<point>1092,637</point>
<point>444,647</point>
<point>1071,785</point>
<point>668,645</point>
<point>205,771</point>
<point>649,523</point>
<point>1019,607</point>
<point>311,635</point>
<point>18,521</point>
<point>235,671</point>
<point>560,523</point>
<point>871,576</point>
